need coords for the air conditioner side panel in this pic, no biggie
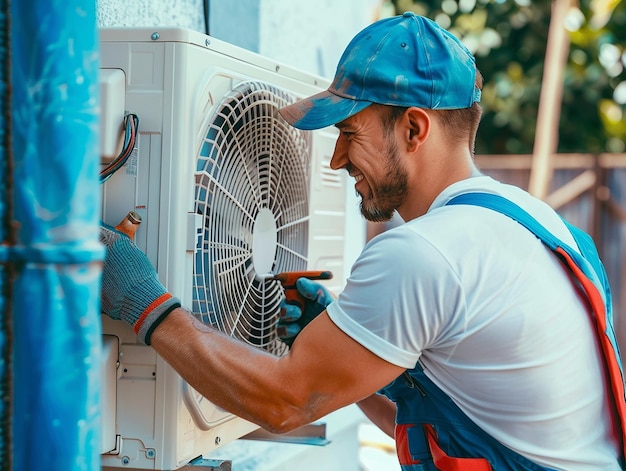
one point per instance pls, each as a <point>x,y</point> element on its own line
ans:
<point>155,427</point>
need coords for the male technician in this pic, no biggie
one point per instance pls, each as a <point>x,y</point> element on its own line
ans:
<point>461,316</point>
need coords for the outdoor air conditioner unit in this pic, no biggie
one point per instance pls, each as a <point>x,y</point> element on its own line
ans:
<point>227,193</point>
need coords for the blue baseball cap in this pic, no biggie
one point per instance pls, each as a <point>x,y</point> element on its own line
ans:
<point>405,60</point>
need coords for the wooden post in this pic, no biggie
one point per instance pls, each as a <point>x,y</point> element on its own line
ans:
<point>547,130</point>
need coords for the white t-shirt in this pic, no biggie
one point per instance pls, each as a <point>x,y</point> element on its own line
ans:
<point>492,316</point>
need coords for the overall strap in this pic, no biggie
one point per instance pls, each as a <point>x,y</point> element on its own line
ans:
<point>589,273</point>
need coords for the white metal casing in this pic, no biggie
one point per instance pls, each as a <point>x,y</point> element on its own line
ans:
<point>174,78</point>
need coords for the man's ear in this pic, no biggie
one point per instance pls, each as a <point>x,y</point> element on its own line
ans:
<point>416,127</point>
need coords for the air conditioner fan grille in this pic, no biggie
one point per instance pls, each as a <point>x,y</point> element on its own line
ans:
<point>252,190</point>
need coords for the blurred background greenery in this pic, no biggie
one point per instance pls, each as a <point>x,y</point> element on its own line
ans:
<point>509,38</point>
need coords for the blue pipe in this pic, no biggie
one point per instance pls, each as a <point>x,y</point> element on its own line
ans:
<point>6,318</point>
<point>56,206</point>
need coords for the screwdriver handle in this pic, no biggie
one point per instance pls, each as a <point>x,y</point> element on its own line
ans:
<point>129,224</point>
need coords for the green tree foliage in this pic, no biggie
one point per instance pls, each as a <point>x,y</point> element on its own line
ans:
<point>509,37</point>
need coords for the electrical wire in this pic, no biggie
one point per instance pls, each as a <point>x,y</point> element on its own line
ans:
<point>207,15</point>
<point>131,125</point>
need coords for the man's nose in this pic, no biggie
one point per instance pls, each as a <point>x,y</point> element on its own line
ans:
<point>340,155</point>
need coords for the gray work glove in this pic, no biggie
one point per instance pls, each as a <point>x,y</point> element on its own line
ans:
<point>131,290</point>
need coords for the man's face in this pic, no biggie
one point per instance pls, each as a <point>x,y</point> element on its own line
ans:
<point>373,160</point>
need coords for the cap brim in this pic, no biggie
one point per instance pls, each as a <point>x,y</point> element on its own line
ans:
<point>321,110</point>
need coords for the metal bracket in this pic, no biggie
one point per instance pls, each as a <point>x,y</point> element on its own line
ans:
<point>311,434</point>
<point>202,464</point>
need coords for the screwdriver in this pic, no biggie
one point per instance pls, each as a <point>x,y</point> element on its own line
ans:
<point>288,280</point>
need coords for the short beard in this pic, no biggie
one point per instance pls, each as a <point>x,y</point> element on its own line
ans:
<point>390,192</point>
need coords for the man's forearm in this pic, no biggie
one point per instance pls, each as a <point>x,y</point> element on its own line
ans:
<point>381,411</point>
<point>241,379</point>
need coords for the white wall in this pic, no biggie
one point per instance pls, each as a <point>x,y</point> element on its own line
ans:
<point>309,35</point>
<point>185,13</point>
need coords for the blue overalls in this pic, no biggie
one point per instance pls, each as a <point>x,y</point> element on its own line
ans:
<point>433,434</point>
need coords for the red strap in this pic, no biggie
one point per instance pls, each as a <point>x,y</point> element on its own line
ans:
<point>613,370</point>
<point>402,445</point>
<point>444,462</point>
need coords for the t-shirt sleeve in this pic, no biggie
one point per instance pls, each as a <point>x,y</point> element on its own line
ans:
<point>401,298</point>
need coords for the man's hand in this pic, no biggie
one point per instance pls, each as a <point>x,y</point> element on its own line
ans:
<point>293,319</point>
<point>131,290</point>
